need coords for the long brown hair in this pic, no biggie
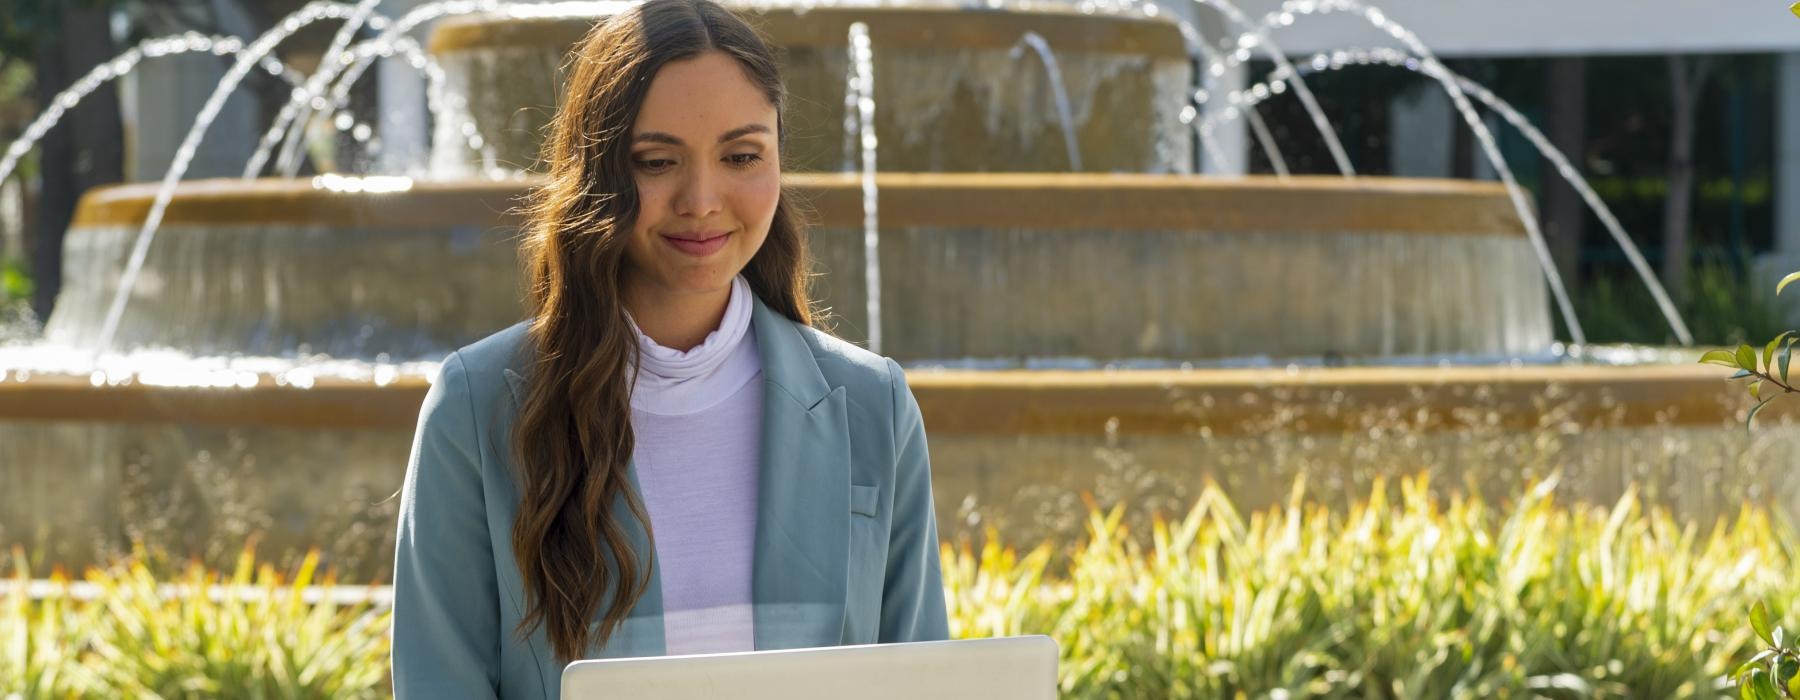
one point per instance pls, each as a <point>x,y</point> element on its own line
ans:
<point>573,435</point>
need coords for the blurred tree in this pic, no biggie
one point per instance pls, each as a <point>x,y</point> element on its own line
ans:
<point>1565,122</point>
<point>63,40</point>
<point>1687,82</point>
<point>56,42</point>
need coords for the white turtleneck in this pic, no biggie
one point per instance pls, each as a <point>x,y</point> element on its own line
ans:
<point>697,417</point>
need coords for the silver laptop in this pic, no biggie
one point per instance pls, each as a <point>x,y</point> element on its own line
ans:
<point>1002,668</point>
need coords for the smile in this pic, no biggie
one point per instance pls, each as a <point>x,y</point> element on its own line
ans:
<point>701,245</point>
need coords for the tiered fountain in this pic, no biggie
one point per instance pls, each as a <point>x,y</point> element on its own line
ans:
<point>1077,311</point>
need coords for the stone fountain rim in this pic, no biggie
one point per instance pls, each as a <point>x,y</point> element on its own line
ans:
<point>1261,205</point>
<point>1039,402</point>
<point>916,27</point>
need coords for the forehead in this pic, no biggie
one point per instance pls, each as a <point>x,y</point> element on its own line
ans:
<point>699,98</point>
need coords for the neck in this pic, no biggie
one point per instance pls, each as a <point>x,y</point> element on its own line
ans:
<point>677,320</point>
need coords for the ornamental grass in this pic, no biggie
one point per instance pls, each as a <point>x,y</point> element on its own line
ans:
<point>1406,594</point>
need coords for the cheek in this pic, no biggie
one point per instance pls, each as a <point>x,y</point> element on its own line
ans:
<point>652,206</point>
<point>755,198</point>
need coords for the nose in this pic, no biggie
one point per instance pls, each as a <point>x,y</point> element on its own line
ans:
<point>699,195</point>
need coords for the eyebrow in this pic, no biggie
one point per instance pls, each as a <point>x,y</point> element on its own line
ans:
<point>660,137</point>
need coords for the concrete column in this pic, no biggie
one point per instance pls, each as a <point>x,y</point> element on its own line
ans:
<point>1420,141</point>
<point>1230,138</point>
<point>164,96</point>
<point>1478,154</point>
<point>169,92</point>
<point>403,129</point>
<point>1785,258</point>
<point>1787,156</point>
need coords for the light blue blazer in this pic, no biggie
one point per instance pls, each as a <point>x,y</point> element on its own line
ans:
<point>846,539</point>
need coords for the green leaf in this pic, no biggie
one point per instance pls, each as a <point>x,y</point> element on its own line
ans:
<point>1759,621</point>
<point>1723,358</point>
<point>1787,353</point>
<point>1758,687</point>
<point>1756,390</point>
<point>1790,279</point>
<point>1741,374</point>
<point>1793,687</point>
<point>1769,350</point>
<point>1746,357</point>
<point>1743,668</point>
<point>1750,420</point>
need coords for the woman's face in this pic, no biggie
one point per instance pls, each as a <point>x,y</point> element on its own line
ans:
<point>708,173</point>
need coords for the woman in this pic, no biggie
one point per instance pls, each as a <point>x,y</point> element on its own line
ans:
<point>665,458</point>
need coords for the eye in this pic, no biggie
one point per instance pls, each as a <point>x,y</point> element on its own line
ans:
<point>654,165</point>
<point>743,160</point>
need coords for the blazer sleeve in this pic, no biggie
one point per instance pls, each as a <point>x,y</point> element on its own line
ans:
<point>912,601</point>
<point>446,617</point>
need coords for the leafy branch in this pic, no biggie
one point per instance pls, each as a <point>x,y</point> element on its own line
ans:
<point>1774,673</point>
<point>1768,368</point>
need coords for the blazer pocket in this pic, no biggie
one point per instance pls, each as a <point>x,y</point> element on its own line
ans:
<point>864,499</point>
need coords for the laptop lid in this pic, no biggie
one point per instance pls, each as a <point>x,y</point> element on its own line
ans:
<point>1001,668</point>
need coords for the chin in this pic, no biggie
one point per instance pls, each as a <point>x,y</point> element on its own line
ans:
<point>708,279</point>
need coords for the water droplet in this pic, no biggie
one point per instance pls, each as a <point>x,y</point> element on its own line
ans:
<point>343,121</point>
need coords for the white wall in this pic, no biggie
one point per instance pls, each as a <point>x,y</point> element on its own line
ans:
<point>1518,27</point>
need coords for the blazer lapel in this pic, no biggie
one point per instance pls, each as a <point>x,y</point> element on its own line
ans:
<point>801,562</point>
<point>803,510</point>
<point>641,632</point>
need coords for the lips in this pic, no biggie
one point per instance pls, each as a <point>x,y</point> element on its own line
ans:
<point>697,243</point>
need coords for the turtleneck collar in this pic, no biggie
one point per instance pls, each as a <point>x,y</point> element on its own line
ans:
<point>673,382</point>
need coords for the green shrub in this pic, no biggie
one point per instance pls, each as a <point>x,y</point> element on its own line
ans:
<point>1405,595</point>
<point>1419,598</point>
<point>15,283</point>
<point>1723,306</point>
<point>249,634</point>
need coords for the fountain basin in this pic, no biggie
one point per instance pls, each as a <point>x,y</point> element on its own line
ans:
<point>1015,269</point>
<point>94,461</point>
<point>950,96</point>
